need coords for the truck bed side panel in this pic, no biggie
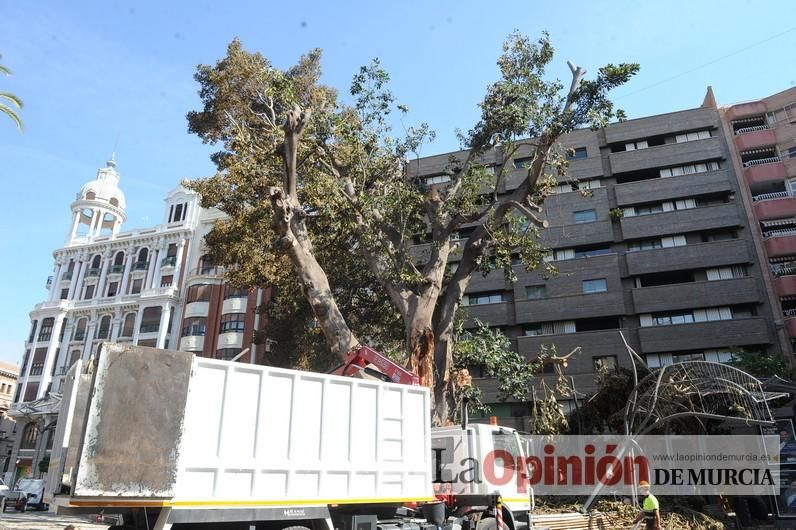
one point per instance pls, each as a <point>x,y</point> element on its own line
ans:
<point>263,435</point>
<point>135,422</point>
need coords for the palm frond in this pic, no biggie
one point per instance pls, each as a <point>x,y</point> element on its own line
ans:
<point>11,114</point>
<point>12,98</point>
<point>5,70</point>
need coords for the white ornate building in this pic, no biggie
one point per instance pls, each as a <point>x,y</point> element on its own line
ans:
<point>107,285</point>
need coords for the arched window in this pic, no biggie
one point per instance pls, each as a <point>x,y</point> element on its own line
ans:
<point>118,259</point>
<point>96,262</point>
<point>29,436</point>
<point>142,261</point>
<point>150,320</point>
<point>50,431</point>
<point>80,329</point>
<point>129,325</point>
<point>206,265</point>
<point>46,330</point>
<point>104,331</point>
<point>91,196</point>
<point>73,357</point>
<point>114,201</point>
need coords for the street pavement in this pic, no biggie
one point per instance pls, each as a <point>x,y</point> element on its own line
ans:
<point>46,521</point>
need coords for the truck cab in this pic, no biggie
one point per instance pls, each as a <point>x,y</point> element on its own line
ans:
<point>476,460</point>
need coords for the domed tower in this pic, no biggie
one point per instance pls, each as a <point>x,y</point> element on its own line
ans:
<point>99,207</point>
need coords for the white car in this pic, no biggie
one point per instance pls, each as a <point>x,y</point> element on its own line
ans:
<point>3,488</point>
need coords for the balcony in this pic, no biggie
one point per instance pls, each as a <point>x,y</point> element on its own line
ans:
<point>785,285</point>
<point>234,305</point>
<point>592,343</point>
<point>701,335</point>
<point>774,205</point>
<point>754,137</point>
<point>666,155</point>
<point>140,265</point>
<point>764,170</point>
<point>193,343</point>
<point>168,261</point>
<point>499,314</point>
<point>93,272</point>
<point>664,189</point>
<point>746,109</point>
<point>66,276</point>
<point>780,242</point>
<point>149,328</point>
<point>698,256</point>
<point>577,234</point>
<point>230,340</point>
<point>117,269</point>
<point>695,294</point>
<point>790,322</point>
<point>196,309</point>
<point>681,221</point>
<point>570,307</point>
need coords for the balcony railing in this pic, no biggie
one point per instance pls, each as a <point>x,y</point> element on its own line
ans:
<point>169,261</point>
<point>79,335</point>
<point>208,270</point>
<point>762,161</point>
<point>786,270</point>
<point>117,269</point>
<point>789,313</point>
<point>140,265</point>
<point>93,272</point>
<point>771,196</point>
<point>756,128</point>
<point>782,232</point>
<point>149,328</point>
<point>66,276</point>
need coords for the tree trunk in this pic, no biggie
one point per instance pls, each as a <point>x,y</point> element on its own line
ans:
<point>293,239</point>
<point>444,409</point>
<point>420,346</point>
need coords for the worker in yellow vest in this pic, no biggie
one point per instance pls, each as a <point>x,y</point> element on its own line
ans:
<point>650,509</point>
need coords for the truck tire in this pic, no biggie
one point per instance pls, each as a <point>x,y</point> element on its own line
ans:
<point>742,511</point>
<point>489,523</point>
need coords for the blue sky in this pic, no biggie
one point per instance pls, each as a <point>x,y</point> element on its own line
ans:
<point>103,76</point>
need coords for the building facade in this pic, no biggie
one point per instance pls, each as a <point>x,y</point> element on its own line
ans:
<point>763,145</point>
<point>650,235</point>
<point>8,383</point>
<point>120,286</point>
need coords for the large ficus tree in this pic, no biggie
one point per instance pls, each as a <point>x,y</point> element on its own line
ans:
<point>300,168</point>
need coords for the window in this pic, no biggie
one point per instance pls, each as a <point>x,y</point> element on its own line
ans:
<point>523,162</point>
<point>32,330</point>
<point>227,354</point>
<point>586,216</point>
<point>89,292</point>
<point>575,154</point>
<point>177,213</point>
<point>113,288</point>
<point>633,146</point>
<point>199,293</point>
<point>691,136</point>
<point>232,323</point>
<point>129,325</point>
<point>595,251</point>
<point>80,330</point>
<point>136,287</point>
<point>104,331</point>
<point>46,330</point>
<point>30,434</point>
<point>166,281</point>
<point>689,169</point>
<point>436,179</point>
<point>194,327</point>
<point>64,294</point>
<point>535,292</point>
<point>599,285</point>
<point>604,363</point>
<point>727,273</point>
<point>235,292</point>
<point>710,237</point>
<point>483,298</point>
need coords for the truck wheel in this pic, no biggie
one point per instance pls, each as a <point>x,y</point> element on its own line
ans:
<point>490,523</point>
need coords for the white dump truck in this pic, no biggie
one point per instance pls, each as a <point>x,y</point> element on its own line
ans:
<point>166,439</point>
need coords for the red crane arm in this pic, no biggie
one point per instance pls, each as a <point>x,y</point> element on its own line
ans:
<point>362,356</point>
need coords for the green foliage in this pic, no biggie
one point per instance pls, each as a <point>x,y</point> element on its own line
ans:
<point>44,464</point>
<point>363,206</point>
<point>6,98</point>
<point>760,364</point>
<point>617,213</point>
<point>604,411</point>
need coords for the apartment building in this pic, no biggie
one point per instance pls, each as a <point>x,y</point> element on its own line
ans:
<point>763,146</point>
<point>650,237</point>
<point>121,286</point>
<point>8,383</point>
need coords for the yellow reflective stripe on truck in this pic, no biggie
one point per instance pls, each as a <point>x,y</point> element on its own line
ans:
<point>118,503</point>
